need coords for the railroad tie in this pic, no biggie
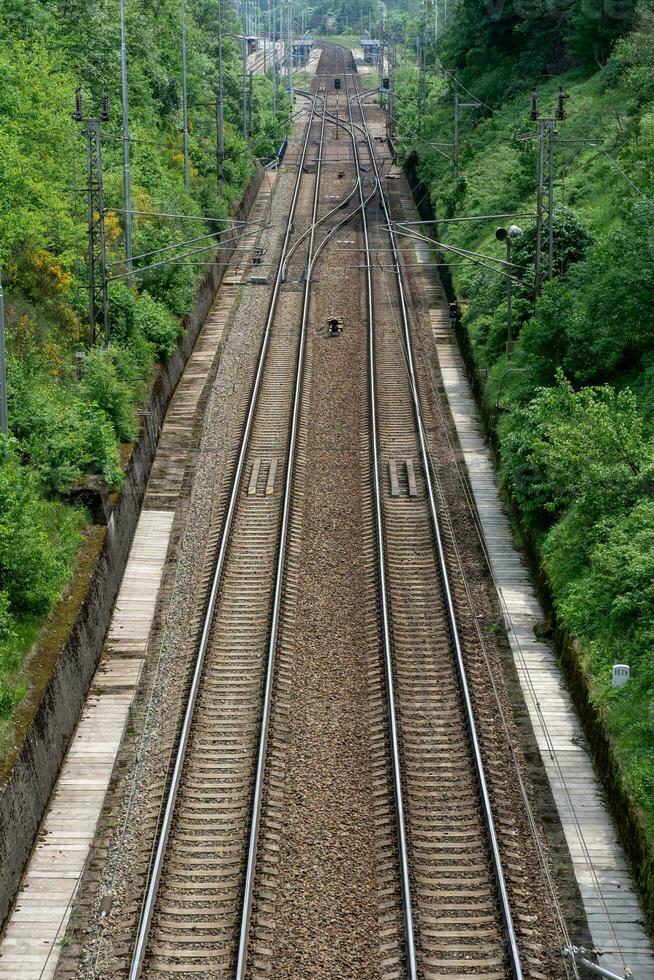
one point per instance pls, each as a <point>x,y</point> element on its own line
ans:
<point>254,477</point>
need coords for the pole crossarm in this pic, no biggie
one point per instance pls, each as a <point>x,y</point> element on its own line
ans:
<point>472,217</point>
<point>479,257</point>
<point>183,244</point>
<point>174,258</point>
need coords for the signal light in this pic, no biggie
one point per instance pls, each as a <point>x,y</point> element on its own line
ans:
<point>337,83</point>
<point>386,83</point>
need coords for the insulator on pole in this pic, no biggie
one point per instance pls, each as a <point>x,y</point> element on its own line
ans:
<point>104,115</point>
<point>534,105</point>
<point>560,104</point>
<point>78,115</point>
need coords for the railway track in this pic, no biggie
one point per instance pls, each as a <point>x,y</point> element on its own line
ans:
<point>192,908</point>
<point>444,905</point>
<point>454,888</point>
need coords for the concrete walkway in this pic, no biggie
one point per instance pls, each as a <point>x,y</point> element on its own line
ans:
<point>611,906</point>
<point>31,941</point>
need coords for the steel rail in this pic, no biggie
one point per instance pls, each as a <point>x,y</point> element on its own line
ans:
<point>513,951</point>
<point>147,911</point>
<point>257,798</point>
<point>333,211</point>
<point>403,850</point>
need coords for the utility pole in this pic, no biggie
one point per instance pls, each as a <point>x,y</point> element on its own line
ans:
<point>539,203</point>
<point>391,94</point>
<point>127,177</point>
<point>458,105</point>
<point>421,70</point>
<point>245,79</point>
<point>4,420</point>
<point>220,128</point>
<point>289,59</point>
<point>97,250</point>
<point>187,169</point>
<point>251,75</point>
<point>507,235</point>
<point>545,173</point>
<point>509,299</point>
<point>381,61</point>
<point>274,59</point>
<point>551,133</point>
<point>455,149</point>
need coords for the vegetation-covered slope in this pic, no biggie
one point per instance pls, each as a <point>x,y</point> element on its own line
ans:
<point>573,405</point>
<point>68,413</point>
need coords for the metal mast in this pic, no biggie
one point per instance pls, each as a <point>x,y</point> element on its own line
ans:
<point>127,176</point>
<point>187,168</point>
<point>220,132</point>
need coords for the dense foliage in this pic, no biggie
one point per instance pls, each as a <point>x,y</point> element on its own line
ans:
<point>72,404</point>
<point>572,407</point>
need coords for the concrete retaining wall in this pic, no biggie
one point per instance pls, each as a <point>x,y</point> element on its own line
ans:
<point>25,793</point>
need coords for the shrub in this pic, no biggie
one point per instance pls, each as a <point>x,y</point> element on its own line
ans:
<point>38,541</point>
<point>584,448</point>
<point>61,435</point>
<point>122,304</point>
<point>171,284</point>
<point>104,387</point>
<point>7,625</point>
<point>158,325</point>
<point>615,597</point>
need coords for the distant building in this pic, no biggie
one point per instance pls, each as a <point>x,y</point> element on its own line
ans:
<point>302,50</point>
<point>371,50</point>
<point>251,43</point>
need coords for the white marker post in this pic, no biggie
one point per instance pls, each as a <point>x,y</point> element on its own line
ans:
<point>621,674</point>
